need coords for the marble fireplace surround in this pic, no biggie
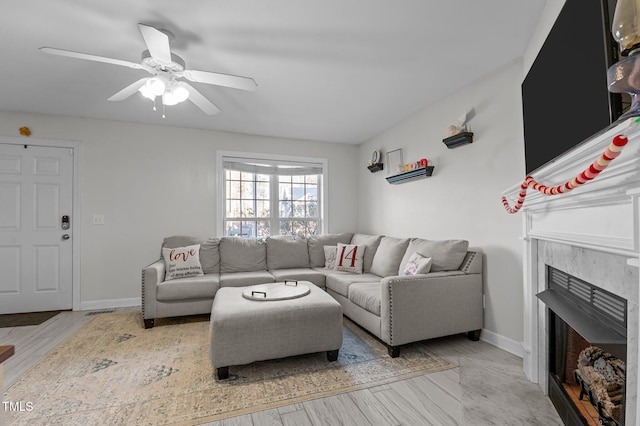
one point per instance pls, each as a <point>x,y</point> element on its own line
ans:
<point>593,233</point>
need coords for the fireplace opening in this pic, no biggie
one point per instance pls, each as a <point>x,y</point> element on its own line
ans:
<point>587,350</point>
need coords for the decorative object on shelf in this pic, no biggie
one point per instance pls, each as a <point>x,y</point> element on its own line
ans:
<point>622,77</point>
<point>25,131</point>
<point>458,126</point>
<point>458,132</point>
<point>417,173</point>
<point>375,165</point>
<point>375,157</point>
<point>423,162</point>
<point>613,150</point>
<point>458,140</point>
<point>394,161</point>
<point>411,171</point>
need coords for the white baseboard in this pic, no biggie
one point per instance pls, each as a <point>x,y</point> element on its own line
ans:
<point>92,305</point>
<point>502,342</point>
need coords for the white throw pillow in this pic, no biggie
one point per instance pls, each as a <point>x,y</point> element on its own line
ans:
<point>182,262</point>
<point>330,256</point>
<point>350,257</point>
<point>417,264</point>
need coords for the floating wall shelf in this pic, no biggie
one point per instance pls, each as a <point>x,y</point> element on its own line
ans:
<point>414,174</point>
<point>375,167</point>
<point>458,140</point>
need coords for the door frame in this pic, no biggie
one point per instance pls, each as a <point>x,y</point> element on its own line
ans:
<point>75,213</point>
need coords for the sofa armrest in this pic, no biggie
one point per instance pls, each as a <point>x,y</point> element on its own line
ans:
<point>472,263</point>
<point>152,275</point>
<point>431,305</point>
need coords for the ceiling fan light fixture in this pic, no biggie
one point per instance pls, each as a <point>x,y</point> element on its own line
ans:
<point>147,92</point>
<point>169,99</point>
<point>180,92</point>
<point>175,94</point>
<point>156,85</point>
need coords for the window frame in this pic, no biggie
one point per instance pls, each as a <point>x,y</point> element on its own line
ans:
<point>284,159</point>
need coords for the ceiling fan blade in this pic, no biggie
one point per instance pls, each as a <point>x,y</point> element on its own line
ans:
<point>78,55</point>
<point>233,81</point>
<point>129,90</point>
<point>200,101</point>
<point>157,42</point>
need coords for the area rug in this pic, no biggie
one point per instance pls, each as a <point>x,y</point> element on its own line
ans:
<point>114,371</point>
<point>21,320</point>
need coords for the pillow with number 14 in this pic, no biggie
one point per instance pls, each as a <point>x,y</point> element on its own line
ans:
<point>350,258</point>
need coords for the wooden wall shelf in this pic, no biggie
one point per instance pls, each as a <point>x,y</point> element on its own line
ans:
<point>414,174</point>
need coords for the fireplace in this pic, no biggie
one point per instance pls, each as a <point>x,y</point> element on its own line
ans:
<point>587,350</point>
<point>591,234</point>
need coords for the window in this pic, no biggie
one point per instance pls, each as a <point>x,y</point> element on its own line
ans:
<point>268,196</point>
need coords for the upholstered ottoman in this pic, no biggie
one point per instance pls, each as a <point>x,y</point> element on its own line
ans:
<point>244,330</point>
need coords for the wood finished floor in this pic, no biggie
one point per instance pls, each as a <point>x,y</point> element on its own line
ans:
<point>486,388</point>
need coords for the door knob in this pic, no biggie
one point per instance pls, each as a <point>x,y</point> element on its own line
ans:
<point>66,237</point>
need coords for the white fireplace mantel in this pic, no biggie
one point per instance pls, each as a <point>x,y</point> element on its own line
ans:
<point>587,230</point>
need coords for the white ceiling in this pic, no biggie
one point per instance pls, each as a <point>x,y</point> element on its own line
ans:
<point>331,70</point>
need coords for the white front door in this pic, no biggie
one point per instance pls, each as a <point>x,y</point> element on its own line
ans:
<point>36,251</point>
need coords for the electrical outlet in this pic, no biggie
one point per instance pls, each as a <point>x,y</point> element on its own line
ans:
<point>98,219</point>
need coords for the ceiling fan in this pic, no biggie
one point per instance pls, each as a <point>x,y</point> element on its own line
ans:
<point>167,70</point>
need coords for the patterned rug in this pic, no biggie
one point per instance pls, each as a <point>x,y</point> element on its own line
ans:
<point>113,371</point>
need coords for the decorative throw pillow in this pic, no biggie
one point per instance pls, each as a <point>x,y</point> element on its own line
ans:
<point>182,262</point>
<point>417,264</point>
<point>330,256</point>
<point>350,258</point>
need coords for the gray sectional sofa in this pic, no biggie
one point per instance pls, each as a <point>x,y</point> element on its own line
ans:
<point>396,308</point>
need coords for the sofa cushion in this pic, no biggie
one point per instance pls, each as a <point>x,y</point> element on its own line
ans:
<point>242,255</point>
<point>286,252</point>
<point>367,296</point>
<point>202,287</point>
<point>330,271</point>
<point>340,282</point>
<point>299,274</point>
<point>372,242</point>
<point>446,255</point>
<point>349,257</point>
<point>243,279</point>
<point>180,241</point>
<point>387,259</point>
<point>210,255</point>
<point>417,264</point>
<point>316,245</point>
<point>182,262</point>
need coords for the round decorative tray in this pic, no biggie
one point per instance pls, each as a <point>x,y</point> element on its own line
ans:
<point>276,291</point>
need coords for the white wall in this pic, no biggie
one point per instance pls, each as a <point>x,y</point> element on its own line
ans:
<point>462,198</point>
<point>153,181</point>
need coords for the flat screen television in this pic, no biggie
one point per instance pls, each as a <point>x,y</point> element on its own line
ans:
<point>564,95</point>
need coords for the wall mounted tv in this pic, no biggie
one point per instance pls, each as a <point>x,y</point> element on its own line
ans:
<point>564,95</point>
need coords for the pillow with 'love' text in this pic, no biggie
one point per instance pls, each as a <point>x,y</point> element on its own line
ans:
<point>182,262</point>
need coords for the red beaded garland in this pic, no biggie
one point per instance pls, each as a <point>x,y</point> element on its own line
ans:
<point>613,151</point>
